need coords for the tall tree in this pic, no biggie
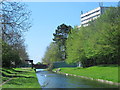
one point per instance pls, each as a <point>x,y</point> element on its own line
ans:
<point>60,37</point>
<point>14,19</point>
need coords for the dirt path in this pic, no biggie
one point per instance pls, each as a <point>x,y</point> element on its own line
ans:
<point>6,81</point>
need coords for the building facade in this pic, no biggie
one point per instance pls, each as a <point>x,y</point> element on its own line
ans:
<point>92,15</point>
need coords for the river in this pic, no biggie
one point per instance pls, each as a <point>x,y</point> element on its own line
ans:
<point>48,79</point>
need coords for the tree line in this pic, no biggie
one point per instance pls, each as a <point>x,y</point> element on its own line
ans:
<point>98,43</point>
<point>56,51</point>
<point>15,20</point>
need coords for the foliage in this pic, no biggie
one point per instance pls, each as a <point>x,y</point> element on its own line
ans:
<point>56,51</point>
<point>97,43</point>
<point>39,63</point>
<point>14,18</point>
<point>10,57</point>
<point>60,37</point>
<point>52,54</point>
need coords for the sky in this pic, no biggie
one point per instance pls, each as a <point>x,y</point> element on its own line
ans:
<point>46,16</point>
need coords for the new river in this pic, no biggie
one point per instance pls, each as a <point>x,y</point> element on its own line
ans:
<point>49,79</point>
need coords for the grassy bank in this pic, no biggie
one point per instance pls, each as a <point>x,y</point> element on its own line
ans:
<point>21,78</point>
<point>104,72</point>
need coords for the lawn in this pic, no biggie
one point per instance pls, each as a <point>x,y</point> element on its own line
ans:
<point>105,72</point>
<point>21,78</point>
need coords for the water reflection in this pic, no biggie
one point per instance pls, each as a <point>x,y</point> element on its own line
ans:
<point>49,79</point>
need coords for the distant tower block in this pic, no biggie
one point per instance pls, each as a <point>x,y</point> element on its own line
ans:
<point>92,15</point>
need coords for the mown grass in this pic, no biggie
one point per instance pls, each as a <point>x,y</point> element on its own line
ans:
<point>104,72</point>
<point>22,78</point>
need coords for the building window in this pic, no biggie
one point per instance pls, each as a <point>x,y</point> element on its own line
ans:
<point>90,13</point>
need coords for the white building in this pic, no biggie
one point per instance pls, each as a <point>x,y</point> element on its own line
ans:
<point>91,15</point>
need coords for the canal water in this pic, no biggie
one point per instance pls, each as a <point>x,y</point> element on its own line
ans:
<point>48,79</point>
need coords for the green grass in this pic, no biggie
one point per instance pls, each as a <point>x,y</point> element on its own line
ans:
<point>104,72</point>
<point>22,78</point>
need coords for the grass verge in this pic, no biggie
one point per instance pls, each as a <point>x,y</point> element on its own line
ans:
<point>22,78</point>
<point>104,72</point>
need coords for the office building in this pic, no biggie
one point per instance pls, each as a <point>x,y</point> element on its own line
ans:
<point>91,15</point>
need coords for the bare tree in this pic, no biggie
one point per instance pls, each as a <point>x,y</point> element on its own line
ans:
<point>14,19</point>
